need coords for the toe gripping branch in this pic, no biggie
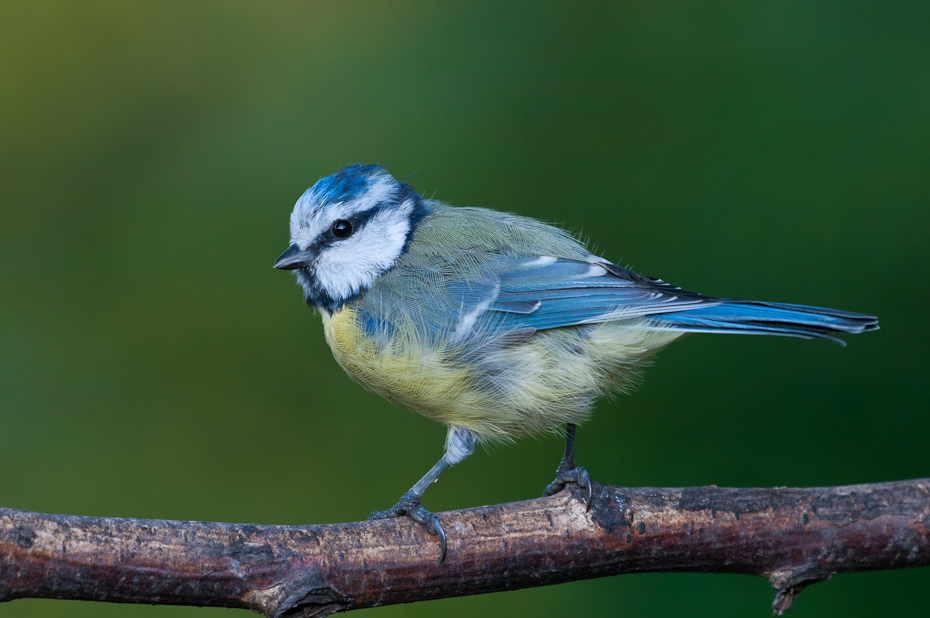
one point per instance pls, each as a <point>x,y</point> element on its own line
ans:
<point>567,472</point>
<point>409,506</point>
<point>578,476</point>
<point>460,443</point>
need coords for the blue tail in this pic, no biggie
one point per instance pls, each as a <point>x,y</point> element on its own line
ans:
<point>751,317</point>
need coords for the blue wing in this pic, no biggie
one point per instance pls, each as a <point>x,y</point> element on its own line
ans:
<point>544,292</point>
<point>547,293</point>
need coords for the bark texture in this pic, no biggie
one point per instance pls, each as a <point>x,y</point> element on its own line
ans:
<point>792,537</point>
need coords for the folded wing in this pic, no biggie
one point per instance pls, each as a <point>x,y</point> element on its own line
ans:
<point>546,292</point>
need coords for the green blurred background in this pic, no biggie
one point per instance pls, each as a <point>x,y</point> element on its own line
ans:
<point>152,364</point>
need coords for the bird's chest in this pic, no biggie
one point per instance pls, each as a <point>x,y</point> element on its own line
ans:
<point>401,366</point>
<point>351,346</point>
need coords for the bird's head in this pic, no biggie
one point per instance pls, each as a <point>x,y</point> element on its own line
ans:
<point>347,230</point>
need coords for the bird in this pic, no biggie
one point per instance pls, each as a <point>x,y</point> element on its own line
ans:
<point>494,324</point>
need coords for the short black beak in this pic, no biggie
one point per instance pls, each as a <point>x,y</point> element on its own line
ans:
<point>292,258</point>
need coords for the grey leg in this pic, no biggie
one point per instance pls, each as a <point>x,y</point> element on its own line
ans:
<point>567,472</point>
<point>460,443</point>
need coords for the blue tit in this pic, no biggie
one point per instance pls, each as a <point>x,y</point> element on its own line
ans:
<point>493,324</point>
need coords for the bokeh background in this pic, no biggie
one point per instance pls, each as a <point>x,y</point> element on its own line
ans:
<point>152,364</point>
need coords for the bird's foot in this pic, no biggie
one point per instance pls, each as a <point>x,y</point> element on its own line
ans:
<point>409,505</point>
<point>578,476</point>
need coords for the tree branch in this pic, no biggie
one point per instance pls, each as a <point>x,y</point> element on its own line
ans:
<point>792,537</point>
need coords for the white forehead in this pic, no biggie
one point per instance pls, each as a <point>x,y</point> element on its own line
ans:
<point>320,205</point>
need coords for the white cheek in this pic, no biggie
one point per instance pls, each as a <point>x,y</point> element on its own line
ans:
<point>349,265</point>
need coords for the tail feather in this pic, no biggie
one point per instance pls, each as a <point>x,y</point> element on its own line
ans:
<point>752,317</point>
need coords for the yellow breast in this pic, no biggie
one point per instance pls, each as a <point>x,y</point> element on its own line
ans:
<point>402,368</point>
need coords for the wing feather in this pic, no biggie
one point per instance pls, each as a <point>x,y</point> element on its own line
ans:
<point>565,292</point>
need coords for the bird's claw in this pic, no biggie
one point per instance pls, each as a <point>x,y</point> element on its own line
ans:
<point>431,521</point>
<point>578,476</point>
<point>409,506</point>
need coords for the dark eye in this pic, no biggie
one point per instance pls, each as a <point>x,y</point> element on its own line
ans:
<point>341,228</point>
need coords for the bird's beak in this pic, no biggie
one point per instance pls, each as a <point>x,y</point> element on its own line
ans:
<point>293,258</point>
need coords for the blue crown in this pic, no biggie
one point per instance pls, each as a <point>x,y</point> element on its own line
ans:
<point>346,184</point>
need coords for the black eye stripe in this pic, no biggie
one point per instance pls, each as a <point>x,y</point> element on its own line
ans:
<point>357,221</point>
